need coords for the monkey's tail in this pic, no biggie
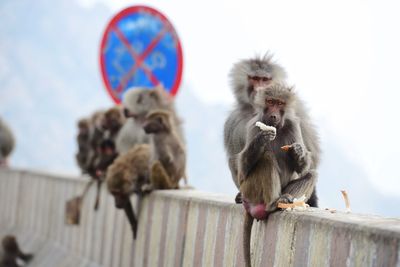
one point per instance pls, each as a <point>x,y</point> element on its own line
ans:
<point>98,192</point>
<point>248,224</point>
<point>130,214</point>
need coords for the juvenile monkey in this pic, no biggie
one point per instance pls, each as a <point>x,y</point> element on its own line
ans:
<point>137,103</point>
<point>111,123</point>
<point>168,157</point>
<point>12,252</point>
<point>7,142</point>
<point>267,174</point>
<point>248,77</point>
<point>127,175</point>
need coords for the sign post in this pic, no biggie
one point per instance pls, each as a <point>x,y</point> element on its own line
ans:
<point>140,48</point>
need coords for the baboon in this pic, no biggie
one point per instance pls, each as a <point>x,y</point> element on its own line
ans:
<point>7,142</point>
<point>127,175</point>
<point>112,121</point>
<point>137,102</point>
<point>168,156</point>
<point>268,175</point>
<point>12,252</point>
<point>247,77</point>
<point>83,140</point>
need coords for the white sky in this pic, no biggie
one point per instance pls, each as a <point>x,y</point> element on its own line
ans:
<point>342,56</point>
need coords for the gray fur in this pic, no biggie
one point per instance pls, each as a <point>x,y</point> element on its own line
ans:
<point>262,66</point>
<point>7,140</point>
<point>140,101</point>
<point>244,110</point>
<point>267,174</point>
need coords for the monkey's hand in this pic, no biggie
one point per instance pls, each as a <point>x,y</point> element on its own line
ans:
<point>268,131</point>
<point>285,198</point>
<point>300,156</point>
<point>297,151</point>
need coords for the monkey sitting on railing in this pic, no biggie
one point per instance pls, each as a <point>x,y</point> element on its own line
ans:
<point>12,252</point>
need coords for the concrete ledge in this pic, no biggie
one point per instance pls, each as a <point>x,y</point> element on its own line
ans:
<point>183,228</point>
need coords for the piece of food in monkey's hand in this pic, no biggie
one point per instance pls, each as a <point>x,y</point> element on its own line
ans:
<point>291,205</point>
<point>298,204</point>
<point>264,127</point>
<point>286,148</point>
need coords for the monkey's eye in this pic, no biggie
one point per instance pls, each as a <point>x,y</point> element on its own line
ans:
<point>270,102</point>
<point>266,79</point>
<point>255,78</point>
<point>280,103</point>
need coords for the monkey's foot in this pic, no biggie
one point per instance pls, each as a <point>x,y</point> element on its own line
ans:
<point>238,198</point>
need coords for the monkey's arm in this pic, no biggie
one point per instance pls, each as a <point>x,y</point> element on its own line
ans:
<point>252,152</point>
<point>300,157</point>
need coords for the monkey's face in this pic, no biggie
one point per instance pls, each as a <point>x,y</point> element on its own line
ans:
<point>274,112</point>
<point>141,102</point>
<point>155,125</point>
<point>256,83</point>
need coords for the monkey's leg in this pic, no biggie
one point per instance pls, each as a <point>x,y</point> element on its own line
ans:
<point>302,186</point>
<point>247,225</point>
<point>97,202</point>
<point>130,214</point>
<point>159,177</point>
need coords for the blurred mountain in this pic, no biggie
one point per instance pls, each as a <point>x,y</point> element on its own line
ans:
<point>49,77</point>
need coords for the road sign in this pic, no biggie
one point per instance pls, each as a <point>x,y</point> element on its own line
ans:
<point>140,48</point>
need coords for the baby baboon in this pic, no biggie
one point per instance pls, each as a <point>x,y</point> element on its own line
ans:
<point>7,142</point>
<point>267,174</point>
<point>83,140</point>
<point>248,77</point>
<point>12,252</point>
<point>137,103</point>
<point>129,174</point>
<point>168,157</point>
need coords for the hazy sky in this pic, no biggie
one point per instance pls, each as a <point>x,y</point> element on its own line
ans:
<point>341,55</point>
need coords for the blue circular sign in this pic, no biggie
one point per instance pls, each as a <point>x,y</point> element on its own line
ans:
<point>140,48</point>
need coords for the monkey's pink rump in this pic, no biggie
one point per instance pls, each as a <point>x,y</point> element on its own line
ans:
<point>257,211</point>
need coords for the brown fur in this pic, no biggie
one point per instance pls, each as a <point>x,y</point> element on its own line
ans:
<point>83,140</point>
<point>266,173</point>
<point>129,174</point>
<point>168,155</point>
<point>7,142</point>
<point>12,252</point>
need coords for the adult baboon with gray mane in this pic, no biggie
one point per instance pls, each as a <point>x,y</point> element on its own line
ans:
<point>247,78</point>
